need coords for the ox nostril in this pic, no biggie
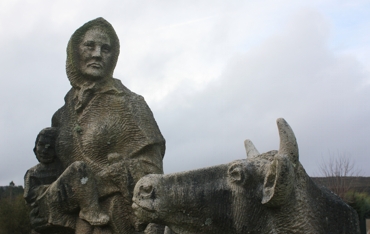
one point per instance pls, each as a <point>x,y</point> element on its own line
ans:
<point>146,190</point>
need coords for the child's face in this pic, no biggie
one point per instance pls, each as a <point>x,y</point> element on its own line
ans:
<point>45,150</point>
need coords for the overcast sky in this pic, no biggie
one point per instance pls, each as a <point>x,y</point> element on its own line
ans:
<point>213,72</point>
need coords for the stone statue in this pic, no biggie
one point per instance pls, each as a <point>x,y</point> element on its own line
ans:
<point>265,193</point>
<point>107,139</point>
<point>39,178</point>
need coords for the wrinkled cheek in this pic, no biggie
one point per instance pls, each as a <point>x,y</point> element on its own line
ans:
<point>108,61</point>
<point>84,58</point>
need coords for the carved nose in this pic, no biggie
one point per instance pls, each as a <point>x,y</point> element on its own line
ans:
<point>96,52</point>
<point>146,191</point>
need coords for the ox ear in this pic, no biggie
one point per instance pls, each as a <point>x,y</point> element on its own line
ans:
<point>280,178</point>
<point>250,149</point>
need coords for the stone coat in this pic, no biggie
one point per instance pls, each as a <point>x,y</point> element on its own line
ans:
<point>116,135</point>
<point>38,178</point>
<point>114,121</point>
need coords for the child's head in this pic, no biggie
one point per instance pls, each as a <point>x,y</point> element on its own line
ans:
<point>44,145</point>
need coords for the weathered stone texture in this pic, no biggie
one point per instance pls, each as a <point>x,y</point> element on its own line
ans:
<point>107,139</point>
<point>265,193</point>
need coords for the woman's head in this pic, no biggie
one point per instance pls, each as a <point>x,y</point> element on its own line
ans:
<point>82,65</point>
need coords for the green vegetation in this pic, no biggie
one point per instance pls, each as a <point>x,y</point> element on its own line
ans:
<point>10,191</point>
<point>360,202</point>
<point>14,215</point>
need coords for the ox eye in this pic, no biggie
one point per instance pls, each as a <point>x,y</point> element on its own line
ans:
<point>146,190</point>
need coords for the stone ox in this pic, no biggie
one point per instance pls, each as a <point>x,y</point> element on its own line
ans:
<point>264,193</point>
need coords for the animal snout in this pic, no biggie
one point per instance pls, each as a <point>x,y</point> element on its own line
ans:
<point>147,190</point>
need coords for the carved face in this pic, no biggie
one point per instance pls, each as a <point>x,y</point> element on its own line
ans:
<point>95,53</point>
<point>45,151</point>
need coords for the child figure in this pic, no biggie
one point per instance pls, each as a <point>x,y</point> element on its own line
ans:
<point>39,177</point>
<point>49,175</point>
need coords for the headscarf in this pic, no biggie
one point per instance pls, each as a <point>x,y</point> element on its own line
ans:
<point>85,87</point>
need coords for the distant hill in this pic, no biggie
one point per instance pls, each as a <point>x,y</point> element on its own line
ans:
<point>356,183</point>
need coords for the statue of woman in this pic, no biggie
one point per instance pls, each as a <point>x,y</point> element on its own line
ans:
<point>109,130</point>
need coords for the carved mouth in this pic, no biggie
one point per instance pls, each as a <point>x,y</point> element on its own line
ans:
<point>45,156</point>
<point>138,208</point>
<point>95,65</point>
<point>144,214</point>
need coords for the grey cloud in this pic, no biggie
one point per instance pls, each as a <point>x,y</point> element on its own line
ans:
<point>290,75</point>
<point>214,74</point>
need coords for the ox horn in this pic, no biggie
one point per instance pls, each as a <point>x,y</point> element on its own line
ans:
<point>288,142</point>
<point>279,180</point>
<point>250,149</point>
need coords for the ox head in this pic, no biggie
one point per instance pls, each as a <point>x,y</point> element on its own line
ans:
<point>228,198</point>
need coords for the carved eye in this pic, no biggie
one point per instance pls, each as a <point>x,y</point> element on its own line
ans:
<point>89,44</point>
<point>146,190</point>
<point>236,173</point>
<point>105,48</point>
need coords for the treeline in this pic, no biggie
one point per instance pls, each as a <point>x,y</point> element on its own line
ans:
<point>14,213</point>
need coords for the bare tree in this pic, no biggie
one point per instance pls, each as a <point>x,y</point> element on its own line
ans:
<point>339,172</point>
<point>340,175</point>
